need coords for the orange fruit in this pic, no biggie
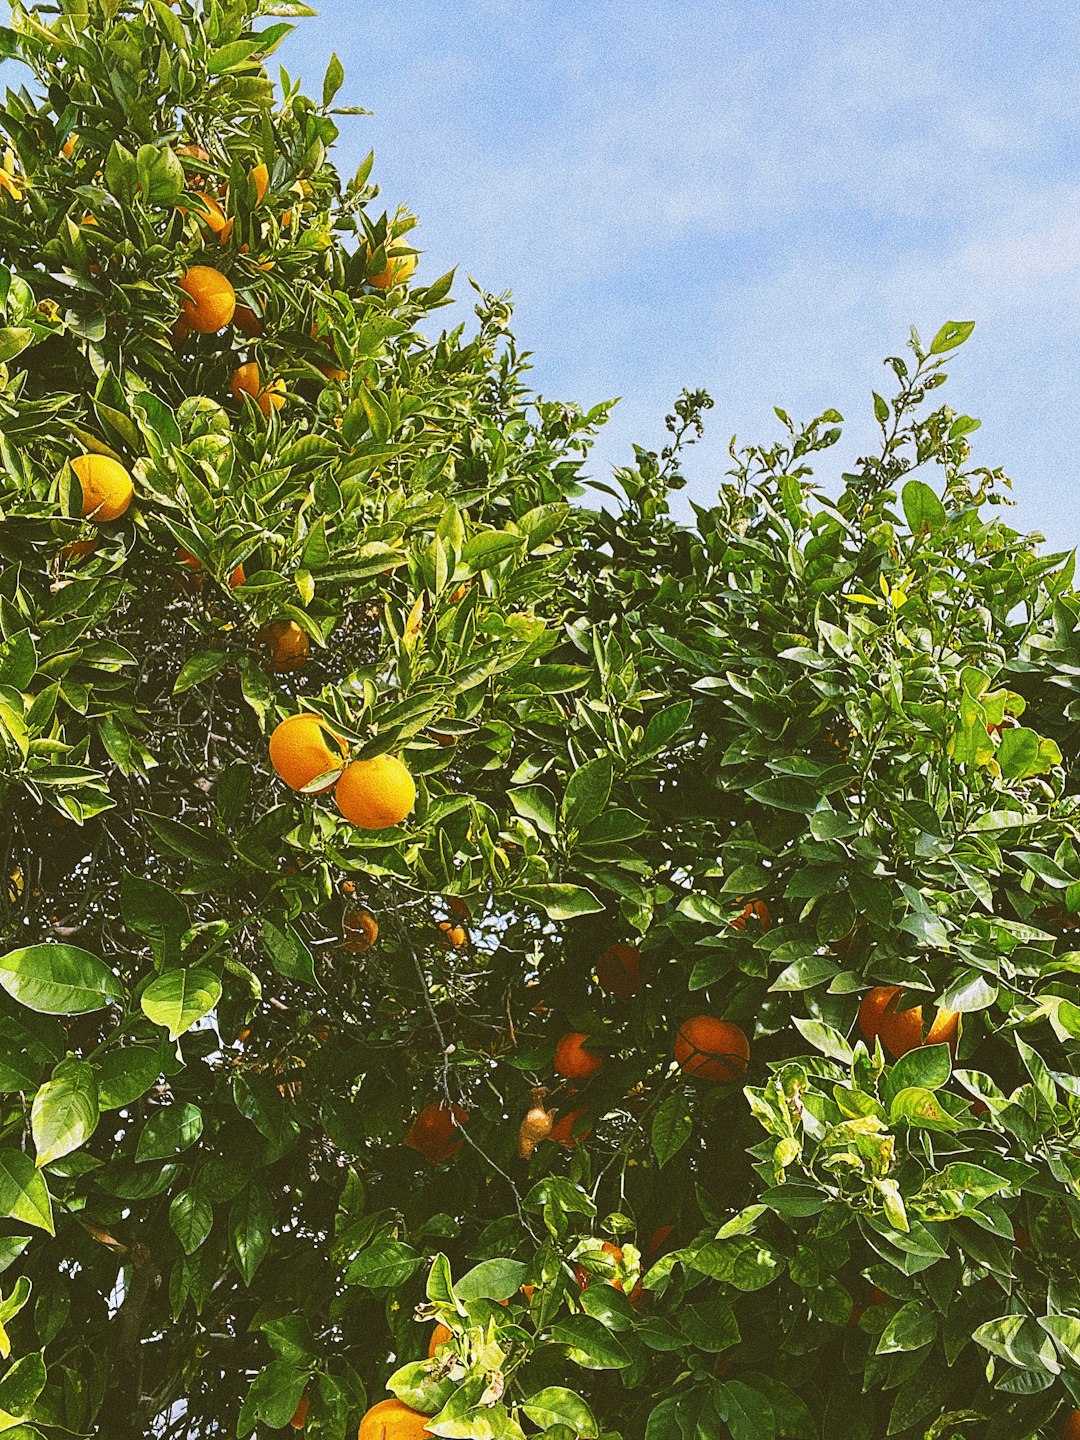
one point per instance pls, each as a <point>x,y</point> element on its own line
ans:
<point>398,266</point>
<point>331,371</point>
<point>712,1049</point>
<point>300,749</point>
<point>107,488</point>
<point>210,301</point>
<point>299,1419</point>
<point>572,1061</point>
<point>247,322</point>
<point>456,937</point>
<point>619,970</point>
<point>458,908</point>
<point>433,1133</point>
<point>1070,1430</point>
<point>247,380</point>
<point>439,1336</point>
<point>238,576</point>
<point>659,1238</point>
<point>568,1129</point>
<point>78,549</point>
<point>210,213</point>
<point>375,794</point>
<point>68,147</point>
<point>754,910</point>
<point>285,643</point>
<point>361,931</point>
<point>902,1030</point>
<point>261,177</point>
<point>393,1420</point>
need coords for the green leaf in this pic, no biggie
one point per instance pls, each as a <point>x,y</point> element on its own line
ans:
<point>332,80</point>
<point>180,998</point>
<point>199,668</point>
<point>191,1217</point>
<point>951,334</point>
<point>384,1263</point>
<point>251,1222</point>
<point>555,1405</point>
<point>664,726</point>
<point>65,1111</point>
<point>535,803</point>
<point>742,1261</point>
<point>913,1326</point>
<point>151,910</point>
<point>58,980</point>
<point>18,660</point>
<point>587,792</point>
<point>288,953</point>
<point>560,902</point>
<point>169,1131</point>
<point>1019,1340</point>
<point>24,1195</point>
<point>20,1388</point>
<point>923,510</point>
<point>491,1280</point>
<point>672,1127</point>
<point>125,1074</point>
<point>592,1345</point>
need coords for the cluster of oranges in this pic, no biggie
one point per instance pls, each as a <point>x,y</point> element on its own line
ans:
<point>371,794</point>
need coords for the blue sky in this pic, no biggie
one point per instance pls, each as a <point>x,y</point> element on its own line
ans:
<point>758,198</point>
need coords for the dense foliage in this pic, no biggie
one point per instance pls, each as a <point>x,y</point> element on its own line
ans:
<point>277,1092</point>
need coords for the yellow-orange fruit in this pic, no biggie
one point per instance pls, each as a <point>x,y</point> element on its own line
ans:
<point>392,1420</point>
<point>619,970</point>
<point>261,177</point>
<point>1070,1430</point>
<point>247,380</point>
<point>247,322</point>
<point>572,1061</point>
<point>435,1132</point>
<point>398,266</point>
<point>68,147</point>
<point>753,910</point>
<point>375,794</point>
<point>456,937</point>
<point>902,1030</point>
<point>210,300</point>
<point>457,907</point>
<point>285,644</point>
<point>211,214</point>
<point>711,1049</point>
<point>238,576</point>
<point>78,549</point>
<point>568,1130</point>
<point>107,488</point>
<point>439,1336</point>
<point>299,1419</point>
<point>361,931</point>
<point>300,750</point>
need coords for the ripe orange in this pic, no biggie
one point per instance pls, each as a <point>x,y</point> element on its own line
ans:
<point>568,1130</point>
<point>210,213</point>
<point>247,322</point>
<point>247,380</point>
<point>398,266</point>
<point>300,750</point>
<point>456,937</point>
<point>439,1336</point>
<point>619,970</point>
<point>393,1420</point>
<point>261,177</point>
<point>375,794</point>
<point>433,1133</point>
<point>361,931</point>
<point>78,549</point>
<point>107,488</point>
<point>299,1419</point>
<point>753,910</point>
<point>238,576</point>
<point>211,299</point>
<point>572,1061</point>
<point>331,371</point>
<point>902,1030</point>
<point>1070,1430</point>
<point>712,1049</point>
<point>285,644</point>
<point>457,907</point>
<point>67,150</point>
<point>659,1238</point>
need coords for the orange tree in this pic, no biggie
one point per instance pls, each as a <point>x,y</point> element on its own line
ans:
<point>476,966</point>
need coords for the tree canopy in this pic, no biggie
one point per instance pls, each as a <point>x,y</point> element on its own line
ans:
<point>639,999</point>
